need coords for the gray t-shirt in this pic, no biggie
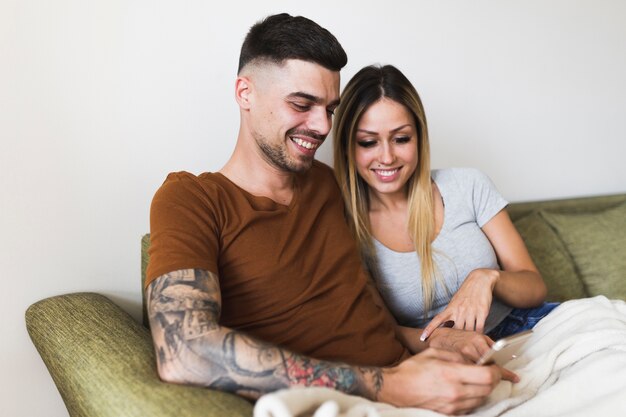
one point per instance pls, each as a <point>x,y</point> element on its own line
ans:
<point>470,201</point>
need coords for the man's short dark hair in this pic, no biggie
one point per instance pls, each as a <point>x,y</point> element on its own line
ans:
<point>282,36</point>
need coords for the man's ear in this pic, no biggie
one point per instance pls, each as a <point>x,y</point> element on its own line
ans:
<point>243,88</point>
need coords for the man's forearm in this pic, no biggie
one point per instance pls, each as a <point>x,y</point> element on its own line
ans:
<point>410,338</point>
<point>193,348</point>
<point>232,361</point>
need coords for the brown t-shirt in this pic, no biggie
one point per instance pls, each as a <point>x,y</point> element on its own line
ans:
<point>289,275</point>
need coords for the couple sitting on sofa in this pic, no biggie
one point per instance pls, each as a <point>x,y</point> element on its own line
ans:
<point>255,282</point>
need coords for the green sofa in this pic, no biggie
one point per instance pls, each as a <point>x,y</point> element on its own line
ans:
<point>102,360</point>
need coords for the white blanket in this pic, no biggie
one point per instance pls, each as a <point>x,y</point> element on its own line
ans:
<point>575,365</point>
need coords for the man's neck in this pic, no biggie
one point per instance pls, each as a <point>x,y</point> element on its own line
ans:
<point>259,178</point>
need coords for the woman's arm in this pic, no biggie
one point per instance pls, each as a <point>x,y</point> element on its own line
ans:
<point>519,283</point>
<point>470,345</point>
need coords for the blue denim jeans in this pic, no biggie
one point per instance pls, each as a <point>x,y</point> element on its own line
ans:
<point>520,319</point>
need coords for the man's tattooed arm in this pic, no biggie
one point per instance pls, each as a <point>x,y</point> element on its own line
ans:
<point>192,348</point>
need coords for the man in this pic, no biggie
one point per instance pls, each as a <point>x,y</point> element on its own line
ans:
<point>254,282</point>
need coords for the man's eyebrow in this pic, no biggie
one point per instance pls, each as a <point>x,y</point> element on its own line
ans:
<point>312,98</point>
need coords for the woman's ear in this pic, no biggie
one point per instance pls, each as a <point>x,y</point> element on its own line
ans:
<point>242,92</point>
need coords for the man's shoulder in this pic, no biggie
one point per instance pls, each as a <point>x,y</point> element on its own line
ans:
<point>211,180</point>
<point>184,185</point>
<point>186,177</point>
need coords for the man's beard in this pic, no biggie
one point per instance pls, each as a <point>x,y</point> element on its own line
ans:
<point>277,156</point>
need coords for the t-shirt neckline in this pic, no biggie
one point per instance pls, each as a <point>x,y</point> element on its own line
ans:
<point>290,206</point>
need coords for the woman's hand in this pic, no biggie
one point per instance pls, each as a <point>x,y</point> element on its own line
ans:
<point>470,305</point>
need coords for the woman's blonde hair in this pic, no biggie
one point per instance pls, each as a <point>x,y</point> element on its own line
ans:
<point>368,86</point>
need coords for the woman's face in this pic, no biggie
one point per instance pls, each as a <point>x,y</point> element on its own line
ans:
<point>386,147</point>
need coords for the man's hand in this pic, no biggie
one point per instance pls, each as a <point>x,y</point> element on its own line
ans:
<point>441,381</point>
<point>470,345</point>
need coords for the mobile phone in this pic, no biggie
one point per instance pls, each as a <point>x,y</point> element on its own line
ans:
<point>505,349</point>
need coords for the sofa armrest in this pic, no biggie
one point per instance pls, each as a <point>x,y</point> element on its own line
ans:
<point>102,361</point>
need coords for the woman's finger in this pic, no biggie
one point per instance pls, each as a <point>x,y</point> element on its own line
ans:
<point>441,319</point>
<point>480,322</point>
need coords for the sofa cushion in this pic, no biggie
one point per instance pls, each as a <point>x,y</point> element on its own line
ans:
<point>551,257</point>
<point>597,244</point>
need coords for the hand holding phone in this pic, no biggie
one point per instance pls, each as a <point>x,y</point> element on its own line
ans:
<point>505,349</point>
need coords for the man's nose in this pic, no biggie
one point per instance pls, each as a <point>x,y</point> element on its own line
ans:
<point>321,122</point>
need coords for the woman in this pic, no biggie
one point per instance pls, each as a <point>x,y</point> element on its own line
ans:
<point>472,270</point>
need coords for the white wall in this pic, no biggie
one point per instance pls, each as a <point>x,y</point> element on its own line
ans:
<point>99,100</point>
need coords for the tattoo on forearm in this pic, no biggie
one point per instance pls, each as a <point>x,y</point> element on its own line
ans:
<point>266,358</point>
<point>304,372</point>
<point>376,375</point>
<point>184,309</point>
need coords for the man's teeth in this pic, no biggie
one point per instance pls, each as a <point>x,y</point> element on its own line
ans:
<point>305,144</point>
<point>386,172</point>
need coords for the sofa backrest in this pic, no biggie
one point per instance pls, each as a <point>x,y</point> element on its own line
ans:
<point>578,244</point>
<point>568,205</point>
